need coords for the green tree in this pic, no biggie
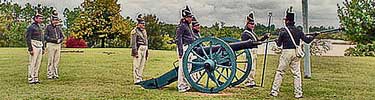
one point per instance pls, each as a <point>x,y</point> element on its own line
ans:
<point>154,32</point>
<point>14,21</point>
<point>358,18</point>
<point>100,20</point>
<point>220,30</point>
<point>71,15</point>
<point>4,19</point>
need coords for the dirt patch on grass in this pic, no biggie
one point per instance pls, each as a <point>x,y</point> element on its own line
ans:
<point>209,94</point>
<point>226,92</point>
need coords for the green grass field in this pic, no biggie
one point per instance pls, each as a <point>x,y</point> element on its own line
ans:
<point>95,75</point>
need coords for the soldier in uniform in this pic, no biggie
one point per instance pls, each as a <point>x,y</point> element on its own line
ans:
<point>34,39</point>
<point>139,43</point>
<point>196,33</point>
<point>185,37</point>
<point>54,37</point>
<point>288,56</point>
<point>196,28</point>
<point>249,34</point>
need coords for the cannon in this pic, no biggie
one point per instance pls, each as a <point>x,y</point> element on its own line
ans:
<point>210,65</point>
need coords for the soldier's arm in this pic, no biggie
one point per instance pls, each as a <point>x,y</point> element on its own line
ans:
<point>44,42</point>
<point>251,37</point>
<point>61,35</point>
<point>28,38</point>
<point>305,38</point>
<point>147,54</point>
<point>146,37</point>
<point>179,41</point>
<point>47,37</point>
<point>146,43</point>
<point>279,39</point>
<point>244,36</point>
<point>134,43</point>
<point>264,37</point>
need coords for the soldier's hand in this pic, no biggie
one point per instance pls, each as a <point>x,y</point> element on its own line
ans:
<point>267,35</point>
<point>316,34</point>
<point>31,53</point>
<point>58,40</point>
<point>275,40</point>
<point>257,42</point>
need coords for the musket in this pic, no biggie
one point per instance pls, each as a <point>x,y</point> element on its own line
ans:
<point>265,51</point>
<point>327,31</point>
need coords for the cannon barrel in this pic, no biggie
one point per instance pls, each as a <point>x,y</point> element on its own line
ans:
<point>235,46</point>
<point>244,45</point>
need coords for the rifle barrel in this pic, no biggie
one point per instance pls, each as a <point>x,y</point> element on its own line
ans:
<point>327,31</point>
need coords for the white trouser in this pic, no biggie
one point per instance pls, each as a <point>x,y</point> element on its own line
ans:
<point>288,58</point>
<point>139,63</point>
<point>35,60</point>
<point>182,84</point>
<point>251,78</point>
<point>53,59</point>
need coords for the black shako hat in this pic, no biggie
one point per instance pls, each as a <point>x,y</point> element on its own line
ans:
<point>195,22</point>
<point>289,14</point>
<point>186,12</point>
<point>140,19</point>
<point>38,12</point>
<point>54,14</point>
<point>250,17</point>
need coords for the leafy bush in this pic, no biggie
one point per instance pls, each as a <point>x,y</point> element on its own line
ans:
<point>166,45</point>
<point>358,18</point>
<point>75,43</point>
<point>318,47</point>
<point>14,36</point>
<point>361,50</point>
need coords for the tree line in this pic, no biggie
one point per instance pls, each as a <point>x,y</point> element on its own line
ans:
<point>100,24</point>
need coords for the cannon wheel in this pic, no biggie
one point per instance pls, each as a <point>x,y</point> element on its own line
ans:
<point>244,63</point>
<point>209,67</point>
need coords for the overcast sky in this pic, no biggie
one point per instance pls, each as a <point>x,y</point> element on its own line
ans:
<point>232,12</point>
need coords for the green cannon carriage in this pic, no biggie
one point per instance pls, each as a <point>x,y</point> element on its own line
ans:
<point>214,65</point>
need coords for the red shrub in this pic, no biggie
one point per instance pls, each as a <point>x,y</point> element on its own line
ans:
<point>75,43</point>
